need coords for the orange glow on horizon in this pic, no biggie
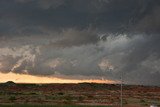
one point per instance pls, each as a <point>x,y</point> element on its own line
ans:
<point>24,78</point>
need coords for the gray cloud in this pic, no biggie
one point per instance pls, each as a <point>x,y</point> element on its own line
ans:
<point>21,17</point>
<point>102,39</point>
<point>73,37</point>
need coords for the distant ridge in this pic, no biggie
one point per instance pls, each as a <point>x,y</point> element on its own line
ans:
<point>10,83</point>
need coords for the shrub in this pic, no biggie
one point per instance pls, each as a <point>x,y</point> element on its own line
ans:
<point>60,93</point>
<point>142,101</point>
<point>81,98</point>
<point>12,98</point>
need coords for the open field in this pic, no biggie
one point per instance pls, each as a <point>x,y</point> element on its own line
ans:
<point>78,95</point>
<point>25,105</point>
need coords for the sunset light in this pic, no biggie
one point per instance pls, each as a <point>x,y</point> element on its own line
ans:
<point>25,78</point>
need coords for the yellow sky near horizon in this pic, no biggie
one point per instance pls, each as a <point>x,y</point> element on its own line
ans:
<point>25,78</point>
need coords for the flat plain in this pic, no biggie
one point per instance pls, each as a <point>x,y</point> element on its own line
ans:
<point>77,95</point>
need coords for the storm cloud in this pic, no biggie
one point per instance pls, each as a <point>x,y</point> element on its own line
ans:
<point>82,38</point>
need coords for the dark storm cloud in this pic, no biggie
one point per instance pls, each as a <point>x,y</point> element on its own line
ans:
<point>109,15</point>
<point>82,38</point>
<point>73,37</point>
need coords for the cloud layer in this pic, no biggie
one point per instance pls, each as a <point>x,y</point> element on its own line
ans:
<point>95,38</point>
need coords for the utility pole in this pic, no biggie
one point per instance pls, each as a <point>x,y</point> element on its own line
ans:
<point>121,105</point>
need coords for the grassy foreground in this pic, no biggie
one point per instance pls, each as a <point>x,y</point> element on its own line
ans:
<point>25,105</point>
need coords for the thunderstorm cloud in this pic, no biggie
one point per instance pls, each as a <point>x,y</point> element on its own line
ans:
<point>82,39</point>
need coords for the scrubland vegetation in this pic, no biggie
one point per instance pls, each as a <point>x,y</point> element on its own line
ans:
<point>77,95</point>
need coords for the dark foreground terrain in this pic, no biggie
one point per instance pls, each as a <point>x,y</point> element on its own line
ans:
<point>76,95</point>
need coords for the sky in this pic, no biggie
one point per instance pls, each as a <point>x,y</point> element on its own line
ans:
<point>80,40</point>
